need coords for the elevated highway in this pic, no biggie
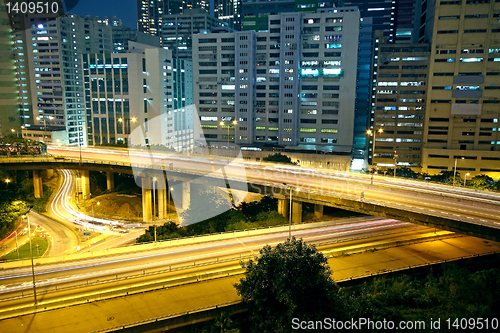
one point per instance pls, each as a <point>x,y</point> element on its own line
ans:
<point>444,207</point>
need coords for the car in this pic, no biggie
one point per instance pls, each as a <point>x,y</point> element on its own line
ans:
<point>124,231</point>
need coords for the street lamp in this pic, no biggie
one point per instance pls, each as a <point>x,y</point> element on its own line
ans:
<point>455,170</point>
<point>98,203</point>
<point>7,181</point>
<point>14,132</point>
<point>168,203</point>
<point>369,132</point>
<point>465,180</point>
<point>222,124</point>
<point>31,253</point>
<point>395,163</point>
<point>290,225</point>
<point>154,203</point>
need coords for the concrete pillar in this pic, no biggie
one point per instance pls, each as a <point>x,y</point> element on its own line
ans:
<point>85,180</point>
<point>37,183</point>
<point>284,207</point>
<point>48,173</point>
<point>162,204</point>
<point>110,180</point>
<point>147,212</point>
<point>186,195</point>
<point>318,211</point>
<point>297,212</point>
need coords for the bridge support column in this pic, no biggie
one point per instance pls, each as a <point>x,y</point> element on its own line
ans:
<point>110,180</point>
<point>318,211</point>
<point>297,212</point>
<point>48,173</point>
<point>162,203</point>
<point>37,183</point>
<point>283,207</point>
<point>147,212</point>
<point>85,180</point>
<point>186,195</point>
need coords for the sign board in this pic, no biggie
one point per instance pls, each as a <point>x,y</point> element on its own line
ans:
<point>43,149</point>
<point>86,233</point>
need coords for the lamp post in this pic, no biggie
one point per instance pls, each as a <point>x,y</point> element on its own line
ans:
<point>98,203</point>
<point>290,224</point>
<point>44,124</point>
<point>395,163</point>
<point>22,130</point>
<point>154,203</point>
<point>465,180</point>
<point>222,124</point>
<point>455,170</point>
<point>31,253</point>
<point>369,132</point>
<point>168,203</point>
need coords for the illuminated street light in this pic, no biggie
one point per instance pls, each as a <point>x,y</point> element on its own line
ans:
<point>7,180</point>
<point>369,132</point>
<point>222,124</point>
<point>154,203</point>
<point>455,170</point>
<point>465,180</point>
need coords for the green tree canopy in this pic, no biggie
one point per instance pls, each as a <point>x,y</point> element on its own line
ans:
<point>278,158</point>
<point>292,280</point>
<point>481,182</point>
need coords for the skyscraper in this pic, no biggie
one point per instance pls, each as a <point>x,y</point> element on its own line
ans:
<point>463,107</point>
<point>293,85</point>
<point>49,63</point>
<point>10,115</point>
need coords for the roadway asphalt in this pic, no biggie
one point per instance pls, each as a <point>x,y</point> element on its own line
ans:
<point>121,311</point>
<point>425,198</point>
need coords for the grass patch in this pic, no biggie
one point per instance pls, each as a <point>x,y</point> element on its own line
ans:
<point>24,251</point>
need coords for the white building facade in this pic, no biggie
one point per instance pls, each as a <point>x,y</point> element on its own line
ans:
<point>135,90</point>
<point>293,85</point>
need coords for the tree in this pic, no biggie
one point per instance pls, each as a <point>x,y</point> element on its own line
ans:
<point>446,177</point>
<point>481,182</point>
<point>278,158</point>
<point>292,280</point>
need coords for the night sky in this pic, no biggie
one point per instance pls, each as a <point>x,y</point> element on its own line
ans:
<point>125,9</point>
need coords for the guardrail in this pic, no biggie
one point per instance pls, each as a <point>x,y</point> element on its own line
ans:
<point>120,276</point>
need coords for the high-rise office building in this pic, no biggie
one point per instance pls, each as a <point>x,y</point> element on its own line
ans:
<point>292,85</point>
<point>123,35</point>
<point>54,72</point>
<point>143,88</point>
<point>400,104</point>
<point>48,60</point>
<point>178,30</point>
<point>463,107</point>
<point>10,104</point>
<point>398,19</point>
<point>254,13</point>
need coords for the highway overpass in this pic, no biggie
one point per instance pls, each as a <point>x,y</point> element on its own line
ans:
<point>444,207</point>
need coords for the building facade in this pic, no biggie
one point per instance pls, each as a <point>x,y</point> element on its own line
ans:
<point>135,90</point>
<point>463,105</point>
<point>123,35</point>
<point>10,104</point>
<point>48,57</point>
<point>293,85</point>
<point>178,30</point>
<point>254,13</point>
<point>400,104</point>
